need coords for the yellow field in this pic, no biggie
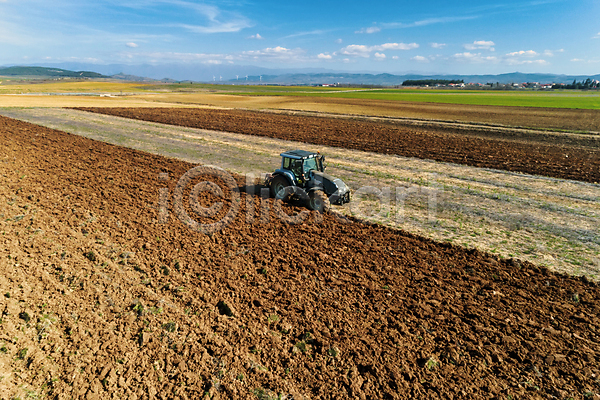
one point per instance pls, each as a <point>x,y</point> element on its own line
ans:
<point>47,101</point>
<point>72,87</point>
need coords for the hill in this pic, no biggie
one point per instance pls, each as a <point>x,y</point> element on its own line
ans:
<point>47,72</point>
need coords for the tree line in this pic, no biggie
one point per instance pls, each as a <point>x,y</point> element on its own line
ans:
<point>587,84</point>
<point>430,82</point>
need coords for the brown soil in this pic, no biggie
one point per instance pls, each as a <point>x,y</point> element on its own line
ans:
<point>103,301</point>
<point>568,156</point>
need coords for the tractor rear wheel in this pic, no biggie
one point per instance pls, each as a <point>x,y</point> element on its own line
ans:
<point>278,184</point>
<point>318,201</point>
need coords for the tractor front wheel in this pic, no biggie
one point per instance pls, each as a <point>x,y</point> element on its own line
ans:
<point>318,201</point>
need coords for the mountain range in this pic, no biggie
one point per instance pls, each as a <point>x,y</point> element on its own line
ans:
<point>256,75</point>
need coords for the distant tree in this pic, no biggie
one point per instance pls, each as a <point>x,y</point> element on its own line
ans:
<point>431,82</point>
<point>584,84</point>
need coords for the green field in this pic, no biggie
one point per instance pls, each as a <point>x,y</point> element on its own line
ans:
<point>554,99</point>
<point>517,98</point>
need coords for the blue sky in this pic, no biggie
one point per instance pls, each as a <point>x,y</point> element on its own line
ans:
<point>453,37</point>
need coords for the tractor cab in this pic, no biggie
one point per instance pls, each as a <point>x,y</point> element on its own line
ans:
<point>301,163</point>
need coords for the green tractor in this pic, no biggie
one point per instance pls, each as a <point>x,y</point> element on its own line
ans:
<point>302,177</point>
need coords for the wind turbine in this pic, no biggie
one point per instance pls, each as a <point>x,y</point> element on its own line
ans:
<point>246,77</point>
<point>220,78</point>
<point>236,77</point>
<point>260,78</point>
<point>214,78</point>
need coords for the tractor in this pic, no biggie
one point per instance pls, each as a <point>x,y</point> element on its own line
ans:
<point>302,177</point>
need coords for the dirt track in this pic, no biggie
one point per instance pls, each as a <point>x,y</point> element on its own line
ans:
<point>117,303</point>
<point>570,156</point>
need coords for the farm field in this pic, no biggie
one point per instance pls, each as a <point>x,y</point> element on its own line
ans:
<point>570,119</point>
<point>108,293</point>
<point>517,98</point>
<point>11,86</point>
<point>555,110</point>
<point>551,222</point>
<point>102,300</point>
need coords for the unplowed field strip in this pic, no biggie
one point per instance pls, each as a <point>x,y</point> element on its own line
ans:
<point>100,299</point>
<point>576,159</point>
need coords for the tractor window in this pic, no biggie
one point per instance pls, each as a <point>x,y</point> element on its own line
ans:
<point>296,167</point>
<point>310,164</point>
<point>286,163</point>
<point>321,163</point>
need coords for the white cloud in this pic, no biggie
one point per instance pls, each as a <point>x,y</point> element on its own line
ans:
<point>438,45</point>
<point>273,54</point>
<point>339,41</point>
<point>526,62</point>
<point>132,45</point>
<point>324,56</point>
<point>396,46</point>
<point>270,50</point>
<point>523,57</point>
<point>380,56</point>
<point>360,50</point>
<point>369,30</point>
<point>480,45</point>
<point>357,50</point>
<point>395,58</point>
<point>475,58</point>
<point>523,53</point>
<point>581,60</point>
<point>597,36</point>
<point>257,36</point>
<point>420,59</point>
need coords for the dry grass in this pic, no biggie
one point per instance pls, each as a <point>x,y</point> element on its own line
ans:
<point>547,221</point>
<point>8,100</point>
<point>71,86</point>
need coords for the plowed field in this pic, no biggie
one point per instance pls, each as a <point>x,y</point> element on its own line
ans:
<point>100,300</point>
<point>568,156</point>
